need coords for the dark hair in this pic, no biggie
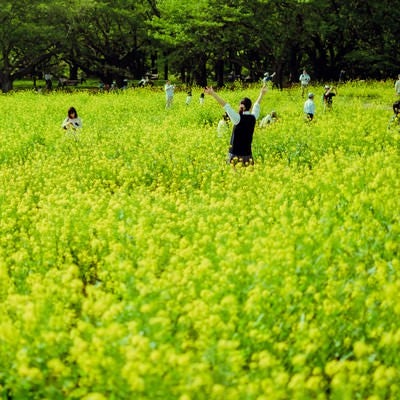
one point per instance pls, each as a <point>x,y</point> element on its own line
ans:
<point>72,110</point>
<point>246,102</point>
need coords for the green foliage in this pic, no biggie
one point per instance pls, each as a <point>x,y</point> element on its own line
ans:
<point>134,263</point>
<point>197,40</point>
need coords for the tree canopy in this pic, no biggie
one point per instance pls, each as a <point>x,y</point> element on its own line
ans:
<point>198,40</point>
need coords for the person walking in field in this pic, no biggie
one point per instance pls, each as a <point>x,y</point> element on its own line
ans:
<point>72,121</point>
<point>169,94</point>
<point>244,122</point>
<point>304,81</point>
<point>309,107</point>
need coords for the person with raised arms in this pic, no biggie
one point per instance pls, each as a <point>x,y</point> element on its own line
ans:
<point>244,122</point>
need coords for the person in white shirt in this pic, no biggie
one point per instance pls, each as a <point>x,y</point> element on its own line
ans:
<point>188,97</point>
<point>309,107</point>
<point>201,99</point>
<point>143,82</point>
<point>169,93</point>
<point>397,86</point>
<point>223,125</point>
<point>269,119</point>
<point>49,83</point>
<point>267,77</point>
<point>72,121</point>
<point>304,81</point>
<point>244,122</point>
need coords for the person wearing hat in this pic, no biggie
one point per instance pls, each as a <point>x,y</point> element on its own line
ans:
<point>329,93</point>
<point>309,107</point>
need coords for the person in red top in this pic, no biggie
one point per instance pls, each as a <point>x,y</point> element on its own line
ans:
<point>244,121</point>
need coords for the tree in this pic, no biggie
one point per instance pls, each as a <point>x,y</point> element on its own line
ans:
<point>26,43</point>
<point>110,41</point>
<point>279,34</point>
<point>204,37</point>
<point>181,31</point>
<point>198,40</point>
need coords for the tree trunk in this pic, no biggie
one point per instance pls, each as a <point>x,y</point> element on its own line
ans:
<point>201,72</point>
<point>6,82</point>
<point>165,69</point>
<point>219,72</point>
<point>73,72</point>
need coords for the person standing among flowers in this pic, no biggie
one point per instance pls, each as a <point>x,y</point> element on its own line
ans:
<point>304,81</point>
<point>244,122</point>
<point>329,93</point>
<point>169,94</point>
<point>201,99</point>
<point>72,121</point>
<point>309,107</point>
<point>188,97</point>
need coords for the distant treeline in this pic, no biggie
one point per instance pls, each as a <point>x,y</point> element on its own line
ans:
<point>198,41</point>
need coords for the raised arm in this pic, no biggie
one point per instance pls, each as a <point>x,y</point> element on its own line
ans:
<point>256,107</point>
<point>209,90</point>
<point>263,91</point>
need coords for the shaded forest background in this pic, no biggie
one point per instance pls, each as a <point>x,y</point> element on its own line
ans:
<point>199,40</point>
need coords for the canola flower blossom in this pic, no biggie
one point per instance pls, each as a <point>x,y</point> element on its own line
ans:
<point>134,263</point>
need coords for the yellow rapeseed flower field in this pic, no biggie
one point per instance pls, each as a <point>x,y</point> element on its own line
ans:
<point>136,264</point>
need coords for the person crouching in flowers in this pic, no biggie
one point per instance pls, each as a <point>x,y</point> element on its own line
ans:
<point>223,125</point>
<point>269,119</point>
<point>72,121</point>
<point>244,122</point>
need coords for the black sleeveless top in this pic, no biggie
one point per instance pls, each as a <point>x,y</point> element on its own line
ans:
<point>242,136</point>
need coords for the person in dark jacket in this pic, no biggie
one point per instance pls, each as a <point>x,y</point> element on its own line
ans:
<point>244,122</point>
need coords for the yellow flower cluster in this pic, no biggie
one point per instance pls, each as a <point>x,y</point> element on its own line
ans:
<point>134,263</point>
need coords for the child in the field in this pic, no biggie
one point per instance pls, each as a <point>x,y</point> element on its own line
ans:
<point>72,121</point>
<point>309,107</point>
